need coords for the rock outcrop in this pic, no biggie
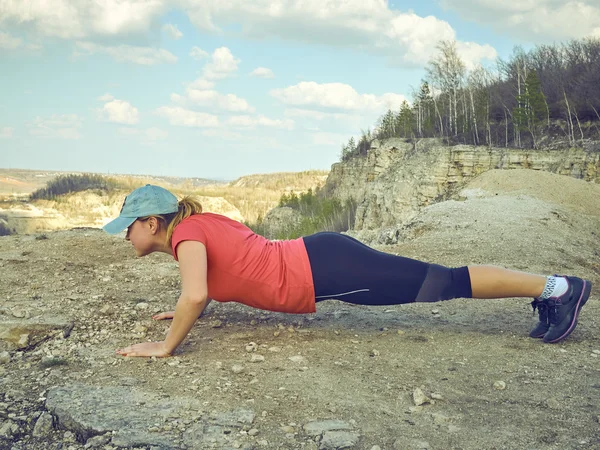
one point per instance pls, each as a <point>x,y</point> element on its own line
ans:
<point>397,178</point>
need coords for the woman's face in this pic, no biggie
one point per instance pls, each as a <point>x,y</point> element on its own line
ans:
<point>141,236</point>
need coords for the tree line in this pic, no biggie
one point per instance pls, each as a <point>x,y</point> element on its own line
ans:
<point>549,92</point>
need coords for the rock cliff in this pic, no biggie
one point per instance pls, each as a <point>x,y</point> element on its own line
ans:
<point>397,178</point>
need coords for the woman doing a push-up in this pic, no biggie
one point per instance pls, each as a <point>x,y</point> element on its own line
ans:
<point>221,259</point>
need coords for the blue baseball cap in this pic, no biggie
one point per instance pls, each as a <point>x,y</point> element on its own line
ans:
<point>144,201</point>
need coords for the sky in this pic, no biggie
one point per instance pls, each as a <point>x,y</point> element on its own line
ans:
<point>220,89</point>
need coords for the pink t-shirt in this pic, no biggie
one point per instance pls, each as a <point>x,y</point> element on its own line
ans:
<point>247,268</point>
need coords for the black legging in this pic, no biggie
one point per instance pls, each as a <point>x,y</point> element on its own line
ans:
<point>348,270</point>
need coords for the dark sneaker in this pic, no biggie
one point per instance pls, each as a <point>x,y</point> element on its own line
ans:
<point>564,310</point>
<point>542,327</point>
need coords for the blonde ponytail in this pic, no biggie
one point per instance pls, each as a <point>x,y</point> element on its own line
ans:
<point>187,206</point>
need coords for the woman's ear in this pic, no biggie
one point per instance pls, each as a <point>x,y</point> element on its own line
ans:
<point>153,224</point>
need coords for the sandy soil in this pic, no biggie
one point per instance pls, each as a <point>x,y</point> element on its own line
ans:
<point>492,386</point>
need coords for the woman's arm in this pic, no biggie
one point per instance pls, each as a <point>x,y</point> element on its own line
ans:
<point>170,314</point>
<point>191,303</point>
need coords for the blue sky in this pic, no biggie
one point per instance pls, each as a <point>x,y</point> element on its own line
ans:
<point>219,89</point>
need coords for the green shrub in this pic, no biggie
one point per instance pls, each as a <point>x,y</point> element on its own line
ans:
<point>65,184</point>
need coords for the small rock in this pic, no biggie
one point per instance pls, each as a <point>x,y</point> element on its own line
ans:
<point>339,439</point>
<point>374,353</point>
<point>98,441</point>
<point>376,447</point>
<point>597,352</point>
<point>552,403</point>
<point>236,368</point>
<point>139,328</point>
<point>321,426</point>
<point>288,429</point>
<point>436,396</point>
<point>297,358</point>
<point>453,429</point>
<point>257,358</point>
<point>251,347</point>
<point>23,340</point>
<point>18,313</point>
<point>420,398</point>
<point>401,332</point>
<point>440,419</point>
<point>43,425</point>
<point>499,385</point>
<point>274,349</point>
<point>141,305</point>
<point>435,311</point>
<point>216,324</point>
<point>4,357</point>
<point>252,432</point>
<point>9,429</point>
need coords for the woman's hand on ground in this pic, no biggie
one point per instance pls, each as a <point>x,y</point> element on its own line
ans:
<point>145,349</point>
<point>164,315</point>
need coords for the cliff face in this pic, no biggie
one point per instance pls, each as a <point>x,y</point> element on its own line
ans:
<point>396,179</point>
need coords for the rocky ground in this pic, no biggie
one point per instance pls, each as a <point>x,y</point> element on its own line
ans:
<point>460,374</point>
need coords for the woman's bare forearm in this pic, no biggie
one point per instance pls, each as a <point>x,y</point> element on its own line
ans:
<point>186,313</point>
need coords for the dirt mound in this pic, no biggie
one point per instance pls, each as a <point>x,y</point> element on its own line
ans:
<point>345,377</point>
<point>561,190</point>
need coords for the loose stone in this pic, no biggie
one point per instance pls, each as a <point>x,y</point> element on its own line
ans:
<point>257,358</point>
<point>420,398</point>
<point>236,368</point>
<point>251,347</point>
<point>4,357</point>
<point>339,439</point>
<point>43,425</point>
<point>499,385</point>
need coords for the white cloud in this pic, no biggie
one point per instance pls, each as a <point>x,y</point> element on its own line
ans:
<point>6,132</point>
<point>200,93</point>
<point>221,65</point>
<point>335,95</point>
<point>315,115</point>
<point>119,111</point>
<point>9,42</point>
<point>201,84</point>
<point>536,20</point>
<point>172,31</point>
<point>367,25</point>
<point>197,53</point>
<point>61,126</point>
<point>187,118</point>
<point>247,121</point>
<point>106,97</point>
<point>213,99</point>
<point>70,19</point>
<point>147,135</point>
<point>121,53</point>
<point>262,72</point>
<point>221,133</point>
